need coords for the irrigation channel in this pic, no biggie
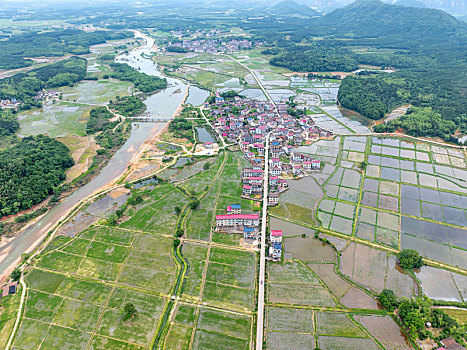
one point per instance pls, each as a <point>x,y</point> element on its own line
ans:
<point>160,106</point>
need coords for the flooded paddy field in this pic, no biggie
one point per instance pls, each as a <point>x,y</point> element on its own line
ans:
<point>386,331</point>
<point>405,198</point>
<point>375,270</point>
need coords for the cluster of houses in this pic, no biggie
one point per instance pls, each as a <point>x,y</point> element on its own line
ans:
<point>249,122</point>
<point>47,95</point>
<point>234,221</point>
<point>195,33</point>
<point>13,103</point>
<point>212,45</point>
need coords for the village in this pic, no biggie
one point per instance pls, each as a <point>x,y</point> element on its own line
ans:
<point>44,95</point>
<point>212,46</point>
<point>248,123</point>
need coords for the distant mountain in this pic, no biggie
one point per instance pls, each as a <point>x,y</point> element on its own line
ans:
<point>291,8</point>
<point>410,3</point>
<point>375,19</point>
<point>463,18</point>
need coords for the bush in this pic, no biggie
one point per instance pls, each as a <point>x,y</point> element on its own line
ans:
<point>388,299</point>
<point>410,259</point>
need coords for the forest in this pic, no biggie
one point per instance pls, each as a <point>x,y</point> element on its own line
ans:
<point>317,57</point>
<point>420,121</point>
<point>51,43</point>
<point>129,106</point>
<point>98,120</point>
<point>24,86</point>
<point>30,171</point>
<point>8,122</point>
<point>143,82</point>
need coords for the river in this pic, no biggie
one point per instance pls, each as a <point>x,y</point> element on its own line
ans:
<point>160,105</point>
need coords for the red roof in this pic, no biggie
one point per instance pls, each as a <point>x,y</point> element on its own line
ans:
<point>254,178</point>
<point>246,186</point>
<point>276,233</point>
<point>238,216</point>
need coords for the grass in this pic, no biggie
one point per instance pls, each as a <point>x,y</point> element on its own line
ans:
<point>107,252</point>
<point>60,261</point>
<point>300,294</point>
<point>64,338</point>
<point>42,306</point>
<point>228,296</point>
<point>30,334</point>
<point>210,341</point>
<point>185,315</point>
<point>232,257</point>
<point>291,272</point>
<point>179,337</point>
<point>102,343</point>
<point>229,274</point>
<point>459,315</point>
<point>224,323</point>
<point>338,325</point>
<point>77,314</point>
<point>89,292</point>
<point>290,320</point>
<point>115,236</point>
<point>99,269</point>
<point>44,281</point>
<point>78,247</point>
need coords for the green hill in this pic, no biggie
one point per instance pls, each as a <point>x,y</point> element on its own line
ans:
<point>291,8</point>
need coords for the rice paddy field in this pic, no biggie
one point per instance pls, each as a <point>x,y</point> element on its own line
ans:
<point>311,304</point>
<point>78,287</point>
<point>409,195</point>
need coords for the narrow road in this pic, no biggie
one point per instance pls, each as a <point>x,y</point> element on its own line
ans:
<point>263,238</point>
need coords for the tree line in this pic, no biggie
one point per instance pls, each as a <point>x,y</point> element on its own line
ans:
<point>143,82</point>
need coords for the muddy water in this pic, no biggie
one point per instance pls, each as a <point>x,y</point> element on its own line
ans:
<point>162,104</point>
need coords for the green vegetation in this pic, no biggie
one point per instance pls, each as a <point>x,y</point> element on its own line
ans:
<point>416,312</point>
<point>318,58</point>
<point>410,259</point>
<point>145,83</point>
<point>16,274</point>
<point>30,171</point>
<point>24,86</point>
<point>176,49</point>
<point>129,106</point>
<point>129,312</point>
<point>51,43</point>
<point>98,120</point>
<point>388,299</point>
<point>8,122</point>
<point>181,127</point>
<point>421,121</point>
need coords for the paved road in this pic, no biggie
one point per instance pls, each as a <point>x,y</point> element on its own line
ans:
<point>263,239</point>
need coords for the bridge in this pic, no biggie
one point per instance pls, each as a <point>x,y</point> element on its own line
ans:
<point>150,119</point>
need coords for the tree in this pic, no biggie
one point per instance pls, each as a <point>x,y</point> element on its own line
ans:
<point>112,220</point>
<point>129,312</point>
<point>176,243</point>
<point>410,259</point>
<point>194,204</point>
<point>388,299</point>
<point>180,232</point>
<point>206,166</point>
<point>16,274</point>
<point>177,210</point>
